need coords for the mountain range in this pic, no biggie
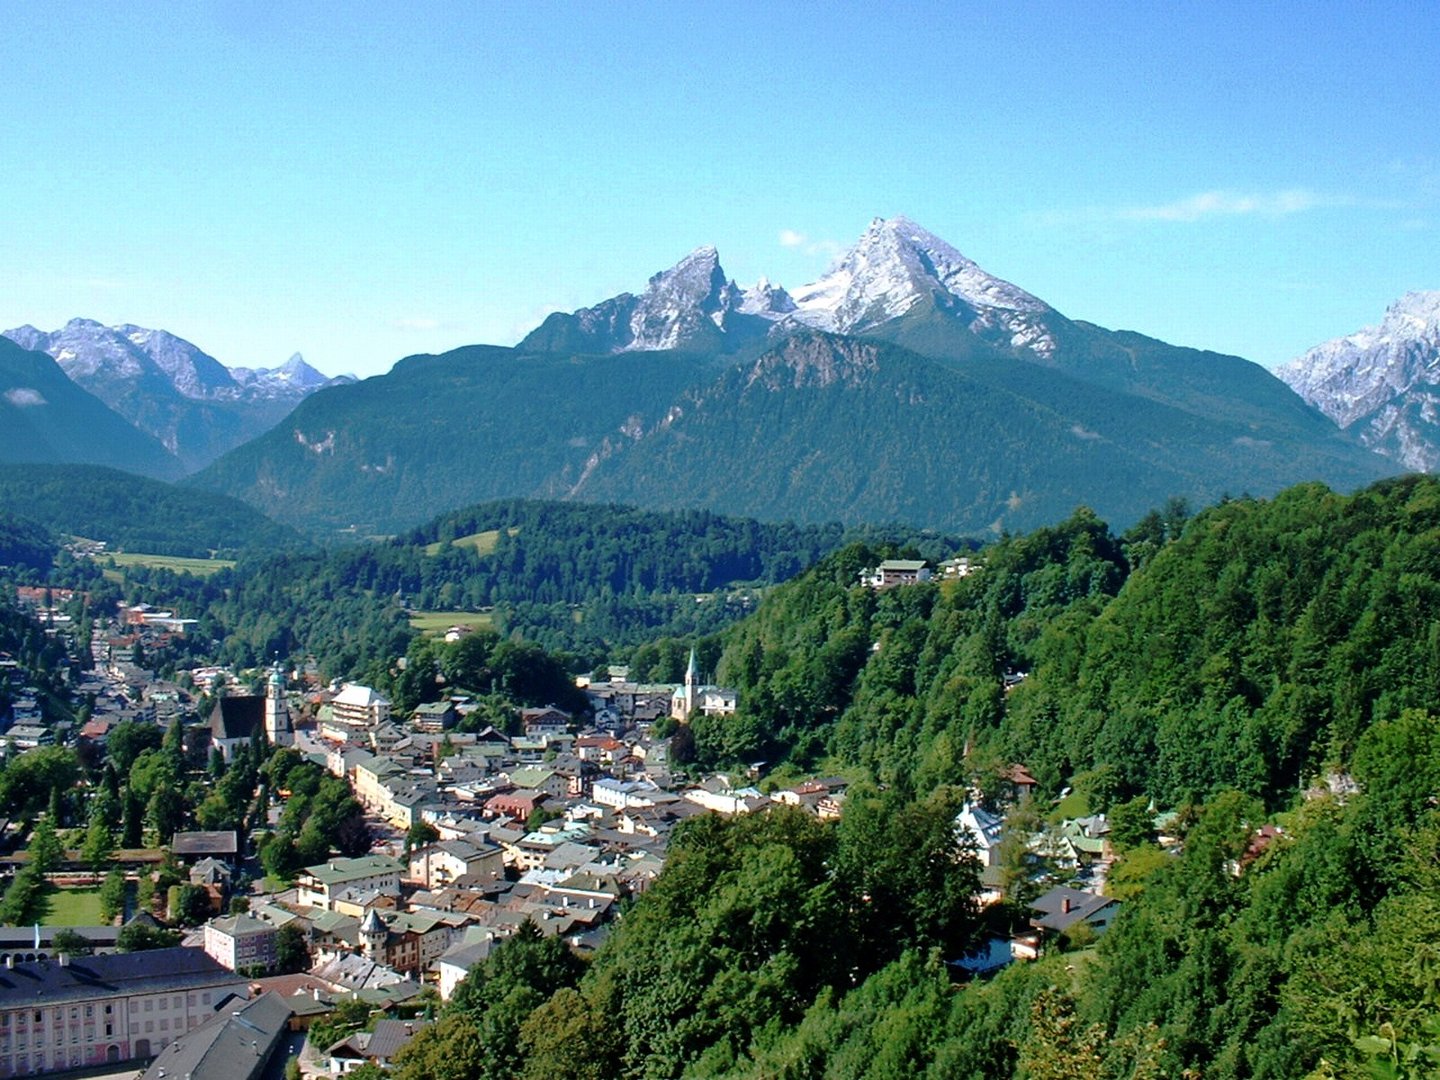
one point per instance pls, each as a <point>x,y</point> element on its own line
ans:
<point>172,390</point>
<point>1382,383</point>
<point>905,384</point>
<point>49,419</point>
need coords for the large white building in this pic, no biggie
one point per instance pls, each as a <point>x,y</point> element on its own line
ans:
<point>360,706</point>
<point>99,1010</point>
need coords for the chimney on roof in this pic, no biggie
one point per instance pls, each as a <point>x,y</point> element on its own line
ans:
<point>1065,906</point>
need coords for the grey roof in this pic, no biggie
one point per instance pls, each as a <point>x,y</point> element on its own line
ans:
<point>236,1044</point>
<point>390,1035</point>
<point>1062,907</point>
<point>237,717</point>
<point>86,978</point>
<point>22,938</point>
<point>219,842</point>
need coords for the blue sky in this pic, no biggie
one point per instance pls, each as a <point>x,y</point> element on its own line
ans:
<point>362,182</point>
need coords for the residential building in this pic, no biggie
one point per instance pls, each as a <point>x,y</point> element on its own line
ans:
<point>319,885</point>
<point>242,943</point>
<point>378,1047</point>
<point>893,572</point>
<point>437,865</point>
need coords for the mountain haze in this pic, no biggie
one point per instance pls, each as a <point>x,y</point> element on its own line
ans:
<point>906,384</point>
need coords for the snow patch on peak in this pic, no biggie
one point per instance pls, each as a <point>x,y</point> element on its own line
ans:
<point>1380,379</point>
<point>897,264</point>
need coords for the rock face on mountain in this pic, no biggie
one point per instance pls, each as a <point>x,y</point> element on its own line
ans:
<point>898,269</point>
<point>692,306</point>
<point>48,418</point>
<point>172,390</point>
<point>1382,383</point>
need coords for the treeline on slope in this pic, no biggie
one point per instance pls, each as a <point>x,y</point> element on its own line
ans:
<point>1247,652</point>
<point>134,513</point>
<point>573,575</point>
<point>590,581</point>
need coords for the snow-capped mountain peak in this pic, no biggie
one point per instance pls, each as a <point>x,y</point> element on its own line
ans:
<point>896,267</point>
<point>170,388</point>
<point>897,264</point>
<point>1382,380</point>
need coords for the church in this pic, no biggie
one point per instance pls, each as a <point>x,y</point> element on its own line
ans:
<point>692,695</point>
<point>236,720</point>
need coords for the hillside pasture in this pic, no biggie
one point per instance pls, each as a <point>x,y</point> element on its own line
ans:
<point>179,564</point>
<point>483,542</point>
<point>435,623</point>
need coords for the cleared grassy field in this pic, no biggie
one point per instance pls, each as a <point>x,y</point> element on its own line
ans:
<point>198,567</point>
<point>437,622</point>
<point>483,543</point>
<point>71,907</point>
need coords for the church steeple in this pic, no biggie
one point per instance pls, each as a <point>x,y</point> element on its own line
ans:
<point>278,728</point>
<point>692,682</point>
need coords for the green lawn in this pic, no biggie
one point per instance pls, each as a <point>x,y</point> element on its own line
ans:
<point>70,907</point>
<point>483,543</point>
<point>198,567</point>
<point>1074,805</point>
<point>437,622</point>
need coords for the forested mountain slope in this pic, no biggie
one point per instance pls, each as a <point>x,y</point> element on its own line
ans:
<point>1247,652</point>
<point>592,580</point>
<point>1217,664</point>
<point>133,513</point>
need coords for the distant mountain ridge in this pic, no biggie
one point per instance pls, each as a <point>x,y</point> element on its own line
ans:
<point>173,390</point>
<point>1381,383</point>
<point>907,384</point>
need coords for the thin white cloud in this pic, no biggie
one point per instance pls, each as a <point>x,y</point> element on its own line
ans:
<point>791,239</point>
<point>22,397</point>
<point>1212,204</point>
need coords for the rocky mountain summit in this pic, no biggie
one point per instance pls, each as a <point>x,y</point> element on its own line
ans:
<point>895,269</point>
<point>1381,383</point>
